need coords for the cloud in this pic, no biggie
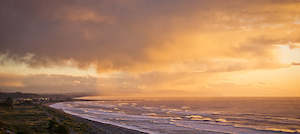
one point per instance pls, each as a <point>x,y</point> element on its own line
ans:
<point>85,16</point>
<point>122,35</point>
<point>143,46</point>
<point>47,83</point>
<point>295,63</point>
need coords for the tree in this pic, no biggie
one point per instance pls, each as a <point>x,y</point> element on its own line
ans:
<point>9,103</point>
<point>52,124</point>
<point>56,128</point>
<point>62,129</point>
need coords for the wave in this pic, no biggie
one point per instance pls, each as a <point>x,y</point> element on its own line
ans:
<point>158,120</point>
<point>92,118</point>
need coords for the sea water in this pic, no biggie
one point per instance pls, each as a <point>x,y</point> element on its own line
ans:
<point>194,115</point>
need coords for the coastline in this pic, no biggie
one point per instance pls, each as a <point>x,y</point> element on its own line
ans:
<point>58,114</point>
<point>98,127</point>
<point>210,129</point>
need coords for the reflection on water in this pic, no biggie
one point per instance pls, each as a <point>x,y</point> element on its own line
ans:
<point>198,115</point>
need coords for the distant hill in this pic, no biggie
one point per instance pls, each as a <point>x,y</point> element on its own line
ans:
<point>18,95</point>
<point>15,95</point>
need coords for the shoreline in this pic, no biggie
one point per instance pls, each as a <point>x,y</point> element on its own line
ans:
<point>99,122</point>
<point>98,126</point>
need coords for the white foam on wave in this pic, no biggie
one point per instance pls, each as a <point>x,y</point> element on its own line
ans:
<point>89,117</point>
<point>149,114</point>
<point>283,130</point>
<point>198,117</point>
<point>220,128</point>
<point>123,104</point>
<point>221,120</point>
<point>133,104</point>
<point>149,121</point>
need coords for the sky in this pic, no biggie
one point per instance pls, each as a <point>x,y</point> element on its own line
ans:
<point>151,47</point>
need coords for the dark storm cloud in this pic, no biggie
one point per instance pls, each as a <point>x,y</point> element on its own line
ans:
<point>86,31</point>
<point>112,34</point>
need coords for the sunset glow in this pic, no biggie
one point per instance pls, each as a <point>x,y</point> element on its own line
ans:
<point>151,48</point>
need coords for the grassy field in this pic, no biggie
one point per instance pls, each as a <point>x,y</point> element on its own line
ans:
<point>38,119</point>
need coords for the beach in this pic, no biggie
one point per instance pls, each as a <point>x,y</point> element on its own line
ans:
<point>35,114</point>
<point>192,116</point>
<point>102,128</point>
<point>35,119</point>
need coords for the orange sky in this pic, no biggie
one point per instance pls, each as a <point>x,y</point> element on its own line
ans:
<point>151,48</point>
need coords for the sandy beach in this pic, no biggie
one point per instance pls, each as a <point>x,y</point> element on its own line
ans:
<point>98,127</point>
<point>102,128</point>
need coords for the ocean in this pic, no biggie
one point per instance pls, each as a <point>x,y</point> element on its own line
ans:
<point>194,115</point>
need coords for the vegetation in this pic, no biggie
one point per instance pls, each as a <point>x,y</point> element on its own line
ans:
<point>22,113</point>
<point>38,119</point>
<point>55,127</point>
<point>9,103</point>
